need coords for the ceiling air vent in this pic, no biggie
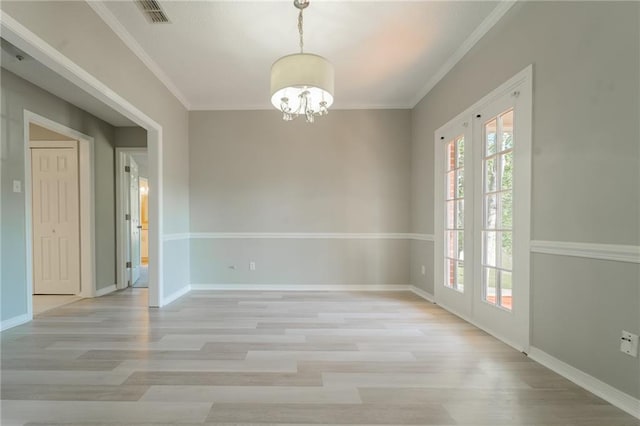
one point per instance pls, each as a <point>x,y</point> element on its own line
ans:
<point>153,11</point>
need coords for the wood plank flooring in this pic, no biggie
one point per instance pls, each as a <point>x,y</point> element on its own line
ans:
<point>377,358</point>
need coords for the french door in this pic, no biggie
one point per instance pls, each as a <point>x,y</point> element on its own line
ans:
<point>482,229</point>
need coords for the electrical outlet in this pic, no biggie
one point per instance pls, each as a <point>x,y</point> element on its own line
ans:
<point>252,266</point>
<point>17,186</point>
<point>629,343</point>
<point>423,270</point>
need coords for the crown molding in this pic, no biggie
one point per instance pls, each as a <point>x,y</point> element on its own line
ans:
<point>205,107</point>
<point>116,26</point>
<point>484,27</point>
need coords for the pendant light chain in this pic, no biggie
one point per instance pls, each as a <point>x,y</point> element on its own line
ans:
<point>300,31</point>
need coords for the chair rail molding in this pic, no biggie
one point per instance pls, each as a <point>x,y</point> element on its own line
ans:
<point>303,235</point>
<point>612,252</point>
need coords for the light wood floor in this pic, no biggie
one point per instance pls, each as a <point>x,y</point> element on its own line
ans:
<point>45,302</point>
<point>278,358</point>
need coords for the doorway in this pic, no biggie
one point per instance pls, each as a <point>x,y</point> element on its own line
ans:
<point>60,213</point>
<point>40,51</point>
<point>132,187</point>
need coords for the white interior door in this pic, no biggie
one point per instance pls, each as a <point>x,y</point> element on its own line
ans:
<point>134,215</point>
<point>56,220</point>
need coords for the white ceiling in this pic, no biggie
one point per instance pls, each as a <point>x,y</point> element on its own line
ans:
<point>38,74</point>
<point>217,55</point>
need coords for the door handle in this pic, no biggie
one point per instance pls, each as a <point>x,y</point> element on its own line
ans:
<point>139,226</point>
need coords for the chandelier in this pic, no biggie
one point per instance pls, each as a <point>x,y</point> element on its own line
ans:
<point>302,83</point>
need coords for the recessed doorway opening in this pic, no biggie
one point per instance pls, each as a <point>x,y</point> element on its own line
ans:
<point>60,213</point>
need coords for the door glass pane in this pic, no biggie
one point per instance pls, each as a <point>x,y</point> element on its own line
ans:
<point>506,123</point>
<point>490,248</point>
<point>460,214</point>
<point>460,152</point>
<point>460,184</point>
<point>460,245</point>
<point>450,150</point>
<point>490,130</point>
<point>506,252</point>
<point>450,185</point>
<point>491,285</point>
<point>450,214</point>
<point>460,276</point>
<point>506,170</point>
<point>450,244</point>
<point>449,273</point>
<point>491,212</point>
<point>506,290</point>
<point>506,210</point>
<point>490,173</point>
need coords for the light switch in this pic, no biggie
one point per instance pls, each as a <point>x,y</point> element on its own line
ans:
<point>17,186</point>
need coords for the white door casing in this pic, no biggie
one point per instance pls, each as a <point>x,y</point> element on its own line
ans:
<point>56,221</point>
<point>134,219</point>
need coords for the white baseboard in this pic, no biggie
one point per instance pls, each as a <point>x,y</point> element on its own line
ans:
<point>422,293</point>
<point>106,290</point>
<point>15,321</point>
<point>301,287</point>
<point>610,394</point>
<point>176,295</point>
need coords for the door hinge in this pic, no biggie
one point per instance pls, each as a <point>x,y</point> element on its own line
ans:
<point>127,169</point>
<point>127,216</point>
<point>128,265</point>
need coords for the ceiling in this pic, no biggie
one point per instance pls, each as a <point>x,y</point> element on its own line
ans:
<point>217,55</point>
<point>38,74</point>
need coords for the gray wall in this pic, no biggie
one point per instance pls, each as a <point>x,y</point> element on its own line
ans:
<point>17,95</point>
<point>130,137</point>
<point>586,168</point>
<point>346,173</point>
<point>77,32</point>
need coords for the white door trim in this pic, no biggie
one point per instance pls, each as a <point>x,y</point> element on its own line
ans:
<point>86,175</point>
<point>121,225</point>
<point>24,39</point>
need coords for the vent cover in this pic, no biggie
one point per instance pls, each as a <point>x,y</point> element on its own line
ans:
<point>153,11</point>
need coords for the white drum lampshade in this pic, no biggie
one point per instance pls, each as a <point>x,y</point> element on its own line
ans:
<point>302,78</point>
